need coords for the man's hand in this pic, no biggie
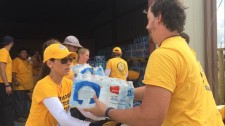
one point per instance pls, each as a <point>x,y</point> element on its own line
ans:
<point>99,109</point>
<point>8,90</point>
<point>16,83</point>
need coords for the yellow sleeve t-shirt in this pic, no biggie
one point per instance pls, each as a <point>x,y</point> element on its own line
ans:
<point>46,88</point>
<point>5,58</point>
<point>173,66</point>
<point>119,68</point>
<point>24,76</point>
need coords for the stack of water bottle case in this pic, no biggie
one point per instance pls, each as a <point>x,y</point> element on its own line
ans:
<point>137,54</point>
<point>98,61</point>
<point>91,81</point>
<point>138,49</point>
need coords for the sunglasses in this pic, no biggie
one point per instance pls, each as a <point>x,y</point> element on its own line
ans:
<point>66,59</point>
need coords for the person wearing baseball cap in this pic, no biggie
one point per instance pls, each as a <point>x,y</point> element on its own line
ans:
<point>72,43</point>
<point>117,67</point>
<point>6,96</point>
<point>51,95</point>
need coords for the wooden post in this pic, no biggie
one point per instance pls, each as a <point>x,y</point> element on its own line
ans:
<point>211,65</point>
<point>221,75</point>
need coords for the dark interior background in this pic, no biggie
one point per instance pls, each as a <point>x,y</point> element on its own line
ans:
<point>96,23</point>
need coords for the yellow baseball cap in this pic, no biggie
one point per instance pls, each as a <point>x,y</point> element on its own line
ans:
<point>57,51</point>
<point>117,50</point>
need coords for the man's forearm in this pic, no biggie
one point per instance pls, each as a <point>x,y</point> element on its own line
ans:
<point>3,73</point>
<point>152,111</point>
<point>3,76</point>
<point>133,117</point>
<point>139,93</point>
<point>14,77</point>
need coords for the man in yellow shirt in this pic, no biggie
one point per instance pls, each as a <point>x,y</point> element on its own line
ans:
<point>117,67</point>
<point>176,91</point>
<point>22,84</point>
<point>6,96</point>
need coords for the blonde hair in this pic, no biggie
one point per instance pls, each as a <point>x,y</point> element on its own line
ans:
<point>82,51</point>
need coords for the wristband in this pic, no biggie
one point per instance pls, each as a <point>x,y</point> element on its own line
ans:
<point>107,111</point>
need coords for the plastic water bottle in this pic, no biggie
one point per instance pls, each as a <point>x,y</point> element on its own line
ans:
<point>130,83</point>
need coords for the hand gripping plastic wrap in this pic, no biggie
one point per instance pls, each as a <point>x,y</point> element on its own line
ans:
<point>113,92</point>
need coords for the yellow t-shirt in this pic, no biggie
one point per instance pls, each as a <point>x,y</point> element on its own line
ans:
<point>173,66</point>
<point>23,71</point>
<point>119,68</point>
<point>5,58</point>
<point>36,66</point>
<point>45,88</point>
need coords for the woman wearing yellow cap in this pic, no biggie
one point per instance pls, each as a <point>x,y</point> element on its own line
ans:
<point>50,101</point>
